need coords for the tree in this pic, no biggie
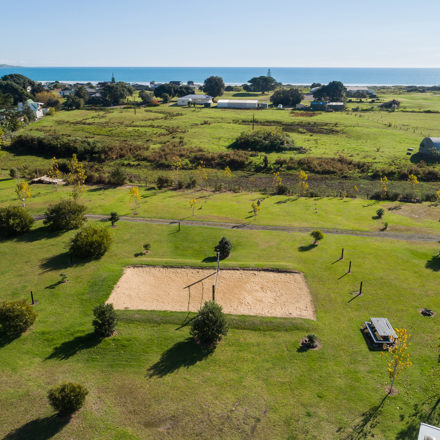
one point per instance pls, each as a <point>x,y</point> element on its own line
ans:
<point>14,220</point>
<point>334,91</point>
<point>114,217</point>
<point>28,114</point>
<point>184,90</point>
<point>166,89</point>
<point>192,204</point>
<point>105,320</point>
<point>16,317</point>
<point>24,82</point>
<point>223,248</point>
<point>6,101</point>
<point>265,140</point>
<point>49,99</point>
<point>255,208</point>
<point>261,84</point>
<point>81,93</point>
<point>209,325</point>
<point>77,176</point>
<point>90,242</point>
<point>134,197</point>
<point>214,86</point>
<point>166,98</point>
<point>148,98</point>
<point>384,183</point>
<point>398,355</point>
<point>303,186</point>
<point>380,213</point>
<point>73,102</point>
<point>17,93</point>
<point>412,179</point>
<point>317,236</point>
<point>67,398</point>
<point>118,176</point>
<point>289,97</point>
<point>65,215</point>
<point>54,171</point>
<point>116,93</point>
<point>23,192</point>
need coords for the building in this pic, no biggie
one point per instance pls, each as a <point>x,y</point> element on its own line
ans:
<point>195,99</point>
<point>430,146</point>
<point>318,105</point>
<point>36,107</point>
<point>336,106</point>
<point>176,83</point>
<point>238,103</point>
<point>428,432</point>
<point>360,92</point>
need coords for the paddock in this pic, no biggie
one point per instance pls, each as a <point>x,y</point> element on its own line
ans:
<point>239,291</point>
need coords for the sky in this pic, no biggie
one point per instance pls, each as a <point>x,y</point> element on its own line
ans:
<point>276,33</point>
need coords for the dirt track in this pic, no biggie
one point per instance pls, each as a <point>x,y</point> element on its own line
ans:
<point>241,292</point>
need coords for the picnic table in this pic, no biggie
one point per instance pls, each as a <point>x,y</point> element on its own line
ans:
<point>381,331</point>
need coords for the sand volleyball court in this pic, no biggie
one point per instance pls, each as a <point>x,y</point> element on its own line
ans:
<point>239,292</point>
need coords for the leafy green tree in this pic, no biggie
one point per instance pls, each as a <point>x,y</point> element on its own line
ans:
<point>16,317</point>
<point>209,325</point>
<point>261,84</point>
<point>24,82</point>
<point>14,220</point>
<point>147,98</point>
<point>67,398</point>
<point>184,90</point>
<point>90,242</point>
<point>118,176</point>
<point>114,217</point>
<point>6,100</point>
<point>224,248</point>
<point>65,215</point>
<point>214,86</point>
<point>105,320</point>
<point>28,114</point>
<point>334,91</point>
<point>82,93</point>
<point>288,97</point>
<point>166,89</point>
<point>317,236</point>
<point>17,93</point>
<point>72,102</point>
<point>116,93</point>
<point>166,98</point>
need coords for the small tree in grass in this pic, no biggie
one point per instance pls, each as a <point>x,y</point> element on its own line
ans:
<point>65,215</point>
<point>210,324</point>
<point>114,217</point>
<point>16,317</point>
<point>90,242</point>
<point>224,248</point>
<point>67,398</point>
<point>105,320</point>
<point>380,213</point>
<point>317,236</point>
<point>23,192</point>
<point>134,197</point>
<point>255,208</point>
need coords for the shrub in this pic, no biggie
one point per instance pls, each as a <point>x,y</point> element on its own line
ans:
<point>12,173</point>
<point>192,182</point>
<point>224,248</point>
<point>266,140</point>
<point>16,317</point>
<point>90,242</point>
<point>282,190</point>
<point>317,236</point>
<point>105,320</point>
<point>114,217</point>
<point>14,220</point>
<point>380,213</point>
<point>65,215</point>
<point>118,176</point>
<point>163,182</point>
<point>209,325</point>
<point>67,398</point>
<point>147,247</point>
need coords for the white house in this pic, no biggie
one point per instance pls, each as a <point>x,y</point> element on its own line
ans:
<point>238,103</point>
<point>430,146</point>
<point>36,107</point>
<point>428,432</point>
<point>195,99</point>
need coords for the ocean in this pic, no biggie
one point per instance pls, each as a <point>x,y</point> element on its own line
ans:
<point>234,75</point>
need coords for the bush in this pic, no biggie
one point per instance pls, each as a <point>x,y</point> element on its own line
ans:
<point>224,248</point>
<point>118,176</point>
<point>209,325</point>
<point>317,236</point>
<point>90,242</point>
<point>14,220</point>
<point>282,190</point>
<point>163,182</point>
<point>105,320</point>
<point>192,183</point>
<point>380,213</point>
<point>12,173</point>
<point>266,140</point>
<point>65,215</point>
<point>147,247</point>
<point>67,398</point>
<point>16,317</point>
<point>114,217</point>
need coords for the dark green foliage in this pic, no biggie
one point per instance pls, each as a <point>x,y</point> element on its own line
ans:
<point>16,317</point>
<point>166,89</point>
<point>14,220</point>
<point>17,93</point>
<point>265,140</point>
<point>380,213</point>
<point>12,173</point>
<point>334,91</point>
<point>148,98</point>
<point>185,90</point>
<point>116,93</point>
<point>224,248</point>
<point>67,398</point>
<point>105,320</point>
<point>210,324</point>
<point>73,102</point>
<point>82,93</point>
<point>317,236</point>
<point>28,114</point>
<point>59,146</point>
<point>65,215</point>
<point>261,84</point>
<point>163,182</point>
<point>90,242</point>
<point>118,176</point>
<point>214,86</point>
<point>114,217</point>
<point>24,82</point>
<point>282,190</point>
<point>147,247</point>
<point>166,98</point>
<point>286,97</point>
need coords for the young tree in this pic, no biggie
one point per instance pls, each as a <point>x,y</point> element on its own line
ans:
<point>399,358</point>
<point>134,197</point>
<point>201,171</point>
<point>412,179</point>
<point>23,192</point>
<point>277,180</point>
<point>105,320</point>
<point>114,217</point>
<point>54,171</point>
<point>67,398</point>
<point>384,183</point>
<point>303,186</point>
<point>317,236</point>
<point>77,176</point>
<point>227,172</point>
<point>193,203</point>
<point>380,213</point>
<point>255,208</point>
<point>214,86</point>
<point>223,248</point>
<point>209,325</point>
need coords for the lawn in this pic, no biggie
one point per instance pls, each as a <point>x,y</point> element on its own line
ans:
<point>149,381</point>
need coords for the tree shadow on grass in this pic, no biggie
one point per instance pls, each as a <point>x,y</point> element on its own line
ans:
<point>433,263</point>
<point>61,261</point>
<point>307,247</point>
<point>6,339</point>
<point>211,259</point>
<point>39,234</point>
<point>39,429</point>
<point>70,348</point>
<point>364,427</point>
<point>182,354</point>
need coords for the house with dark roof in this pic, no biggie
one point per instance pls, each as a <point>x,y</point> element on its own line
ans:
<point>430,146</point>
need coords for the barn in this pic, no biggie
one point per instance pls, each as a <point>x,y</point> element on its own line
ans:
<point>238,103</point>
<point>430,146</point>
